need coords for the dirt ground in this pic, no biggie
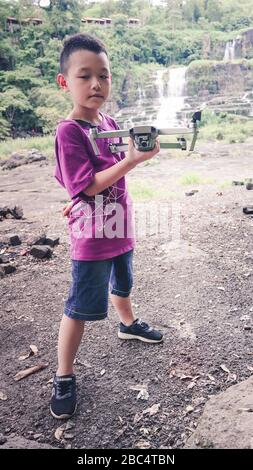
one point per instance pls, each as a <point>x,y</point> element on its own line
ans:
<point>197,291</point>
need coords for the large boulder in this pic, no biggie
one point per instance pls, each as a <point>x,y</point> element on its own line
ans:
<point>227,420</point>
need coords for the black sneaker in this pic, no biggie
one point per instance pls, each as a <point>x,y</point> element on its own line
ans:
<point>140,330</point>
<point>63,399</point>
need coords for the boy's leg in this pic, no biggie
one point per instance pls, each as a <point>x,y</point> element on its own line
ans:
<point>121,281</point>
<point>70,335</point>
<point>87,301</point>
<point>123,307</point>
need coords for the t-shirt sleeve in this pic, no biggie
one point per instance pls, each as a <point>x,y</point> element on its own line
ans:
<point>74,167</point>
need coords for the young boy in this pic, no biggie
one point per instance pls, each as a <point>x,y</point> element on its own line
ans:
<point>99,259</point>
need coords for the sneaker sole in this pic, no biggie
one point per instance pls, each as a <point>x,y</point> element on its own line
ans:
<point>141,338</point>
<point>64,416</point>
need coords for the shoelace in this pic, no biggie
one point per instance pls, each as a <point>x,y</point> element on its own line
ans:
<point>64,388</point>
<point>144,324</point>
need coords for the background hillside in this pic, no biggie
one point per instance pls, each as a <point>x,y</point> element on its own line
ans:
<point>194,32</point>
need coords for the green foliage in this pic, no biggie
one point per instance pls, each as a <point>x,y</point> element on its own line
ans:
<point>172,34</point>
<point>4,128</point>
<point>13,102</point>
<point>44,144</point>
<point>23,78</point>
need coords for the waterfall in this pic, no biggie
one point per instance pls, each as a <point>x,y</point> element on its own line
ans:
<point>229,50</point>
<point>248,98</point>
<point>172,102</point>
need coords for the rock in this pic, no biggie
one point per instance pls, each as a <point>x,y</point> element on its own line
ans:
<point>17,212</point>
<point>41,251</point>
<point>4,211</point>
<point>37,240</point>
<point>17,159</point>
<point>238,183</point>
<point>249,186</point>
<point>51,242</point>
<point>227,420</point>
<point>43,240</point>
<point>4,259</point>
<point>8,212</point>
<point>19,442</point>
<point>2,272</point>
<point>8,268</point>
<point>14,240</point>
<point>248,210</point>
<point>192,192</point>
<point>34,155</point>
<point>3,439</point>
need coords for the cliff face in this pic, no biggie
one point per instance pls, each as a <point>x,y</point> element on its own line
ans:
<point>205,78</point>
<point>214,46</point>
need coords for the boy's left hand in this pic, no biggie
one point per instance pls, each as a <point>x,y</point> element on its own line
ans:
<point>66,209</point>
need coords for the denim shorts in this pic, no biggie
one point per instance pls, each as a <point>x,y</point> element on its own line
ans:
<point>91,280</point>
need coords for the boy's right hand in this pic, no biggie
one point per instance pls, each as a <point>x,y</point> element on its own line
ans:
<point>135,156</point>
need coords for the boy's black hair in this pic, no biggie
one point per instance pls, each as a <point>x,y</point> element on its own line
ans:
<point>77,42</point>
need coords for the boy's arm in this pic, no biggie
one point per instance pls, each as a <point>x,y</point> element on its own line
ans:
<point>106,178</point>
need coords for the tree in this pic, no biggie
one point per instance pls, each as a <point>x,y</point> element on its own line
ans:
<point>14,103</point>
<point>64,18</point>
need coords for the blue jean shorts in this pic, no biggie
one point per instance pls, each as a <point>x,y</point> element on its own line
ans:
<point>91,281</point>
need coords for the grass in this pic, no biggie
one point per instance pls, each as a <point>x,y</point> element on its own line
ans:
<point>225,127</point>
<point>227,133</point>
<point>145,190</point>
<point>44,144</point>
<point>194,178</point>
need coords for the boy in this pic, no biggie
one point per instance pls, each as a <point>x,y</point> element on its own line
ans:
<point>98,259</point>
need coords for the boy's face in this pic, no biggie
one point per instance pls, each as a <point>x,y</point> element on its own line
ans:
<point>88,79</point>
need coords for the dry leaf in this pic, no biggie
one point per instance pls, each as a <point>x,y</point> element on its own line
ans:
<point>191,385</point>
<point>250,368</point>
<point>186,377</point>
<point>59,432</point>
<point>25,356</point>
<point>121,420</point>
<point>69,425</point>
<point>145,431</point>
<point>137,417</point>
<point>82,363</point>
<point>211,377</point>
<point>142,445</point>
<point>138,387</point>
<point>143,394</point>
<point>223,367</point>
<point>24,373</point>
<point>249,410</point>
<point>68,435</point>
<point>152,410</point>
<point>189,409</point>
<point>3,396</point>
<point>34,349</point>
<point>232,377</point>
<point>102,372</point>
<point>33,352</point>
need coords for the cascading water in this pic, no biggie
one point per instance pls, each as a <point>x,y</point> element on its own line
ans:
<point>229,53</point>
<point>172,102</point>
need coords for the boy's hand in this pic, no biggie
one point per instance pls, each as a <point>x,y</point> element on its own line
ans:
<point>136,157</point>
<point>66,209</point>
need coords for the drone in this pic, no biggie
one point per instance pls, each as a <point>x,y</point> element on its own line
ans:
<point>144,137</point>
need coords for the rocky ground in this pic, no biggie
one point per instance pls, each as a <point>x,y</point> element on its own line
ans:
<point>197,290</point>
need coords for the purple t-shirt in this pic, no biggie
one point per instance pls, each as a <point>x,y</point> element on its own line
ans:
<point>100,226</point>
